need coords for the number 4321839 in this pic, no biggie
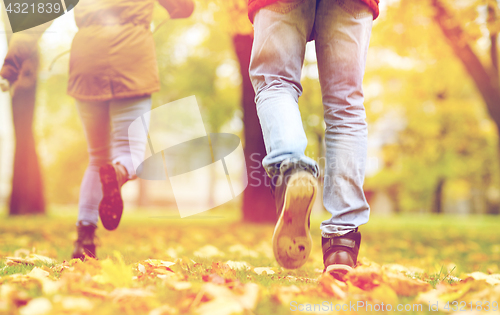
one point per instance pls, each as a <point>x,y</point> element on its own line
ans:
<point>472,306</point>
<point>34,8</point>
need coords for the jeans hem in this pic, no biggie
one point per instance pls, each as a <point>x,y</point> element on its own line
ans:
<point>289,163</point>
<point>338,234</point>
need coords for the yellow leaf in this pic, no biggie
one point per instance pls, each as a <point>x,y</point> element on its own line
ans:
<point>163,310</point>
<point>38,273</point>
<point>162,271</point>
<point>332,286</point>
<point>384,293</point>
<point>226,301</point>
<point>31,259</point>
<point>181,285</point>
<point>402,269</point>
<point>263,270</point>
<point>117,274</point>
<point>457,293</point>
<point>158,262</point>
<point>405,286</point>
<point>38,306</point>
<point>237,265</point>
<point>248,295</point>
<point>141,268</point>
<point>122,294</point>
<point>365,278</point>
<point>444,293</point>
<point>94,292</point>
<point>493,279</point>
<point>76,303</point>
<point>285,294</point>
<point>220,307</point>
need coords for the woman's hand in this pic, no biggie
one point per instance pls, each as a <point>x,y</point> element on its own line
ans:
<point>178,9</point>
<point>4,84</point>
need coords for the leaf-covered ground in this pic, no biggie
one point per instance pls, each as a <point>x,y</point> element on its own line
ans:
<point>217,265</point>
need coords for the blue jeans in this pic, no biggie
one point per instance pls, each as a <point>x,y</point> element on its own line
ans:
<point>106,129</point>
<point>341,29</point>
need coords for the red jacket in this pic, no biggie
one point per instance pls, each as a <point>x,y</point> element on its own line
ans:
<point>254,5</point>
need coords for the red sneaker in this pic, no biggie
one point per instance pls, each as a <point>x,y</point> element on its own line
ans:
<point>113,176</point>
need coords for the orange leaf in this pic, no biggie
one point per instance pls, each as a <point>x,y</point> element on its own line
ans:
<point>365,278</point>
<point>332,286</point>
<point>405,286</point>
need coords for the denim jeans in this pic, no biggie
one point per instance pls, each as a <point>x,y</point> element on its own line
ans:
<point>341,29</point>
<point>106,129</point>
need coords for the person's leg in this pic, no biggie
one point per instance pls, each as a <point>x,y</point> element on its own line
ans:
<point>342,30</point>
<point>96,124</point>
<point>281,31</point>
<point>95,120</point>
<point>125,147</point>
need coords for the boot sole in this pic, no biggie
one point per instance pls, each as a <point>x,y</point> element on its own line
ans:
<point>88,251</point>
<point>338,271</point>
<point>292,240</point>
<point>111,205</point>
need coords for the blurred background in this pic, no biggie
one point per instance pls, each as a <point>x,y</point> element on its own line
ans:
<point>432,100</point>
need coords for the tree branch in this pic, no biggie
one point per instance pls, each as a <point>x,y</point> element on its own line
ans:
<point>486,83</point>
<point>492,17</point>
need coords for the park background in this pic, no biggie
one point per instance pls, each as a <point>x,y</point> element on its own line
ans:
<point>432,99</point>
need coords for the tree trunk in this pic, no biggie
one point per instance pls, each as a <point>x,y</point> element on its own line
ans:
<point>27,192</point>
<point>212,188</point>
<point>492,19</point>
<point>486,80</point>
<point>142,197</point>
<point>437,206</point>
<point>393,192</point>
<point>258,202</point>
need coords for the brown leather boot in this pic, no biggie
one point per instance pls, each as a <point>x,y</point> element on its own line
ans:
<point>340,254</point>
<point>85,245</point>
<point>113,176</point>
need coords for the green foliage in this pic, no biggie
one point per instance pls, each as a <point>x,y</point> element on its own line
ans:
<point>440,128</point>
<point>196,57</point>
<point>422,108</point>
<point>60,139</point>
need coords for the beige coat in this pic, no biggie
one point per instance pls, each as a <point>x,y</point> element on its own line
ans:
<point>112,54</point>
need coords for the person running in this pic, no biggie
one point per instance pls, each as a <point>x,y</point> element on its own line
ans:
<point>341,30</point>
<point>112,74</point>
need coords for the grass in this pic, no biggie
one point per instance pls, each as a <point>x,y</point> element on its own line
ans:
<point>436,249</point>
